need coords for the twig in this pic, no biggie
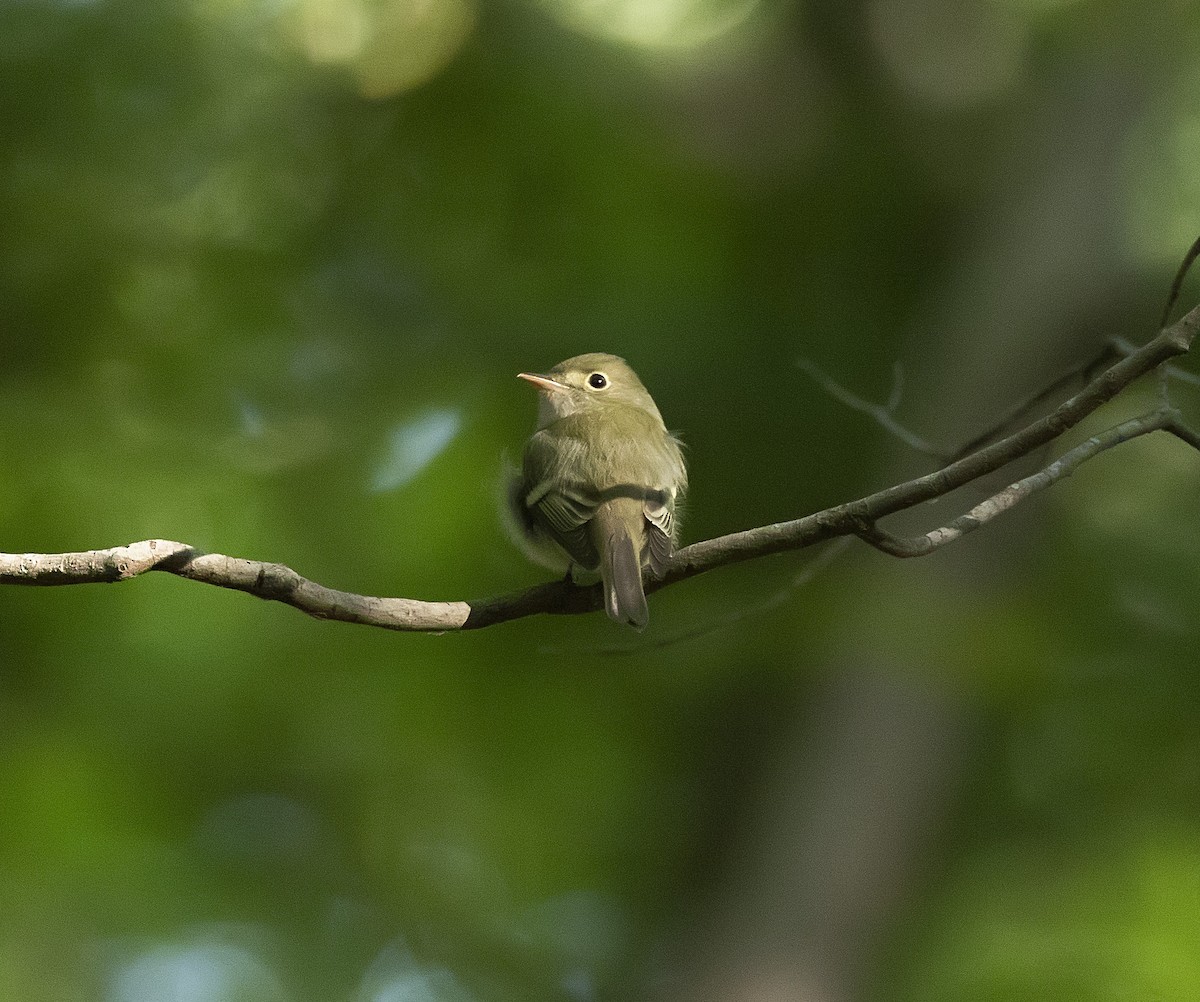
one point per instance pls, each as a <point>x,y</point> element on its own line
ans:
<point>1076,374</point>
<point>848,518</point>
<point>1177,284</point>
<point>282,584</point>
<point>882,414</point>
<point>997,504</point>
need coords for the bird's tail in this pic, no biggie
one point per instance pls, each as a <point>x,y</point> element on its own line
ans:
<point>621,565</point>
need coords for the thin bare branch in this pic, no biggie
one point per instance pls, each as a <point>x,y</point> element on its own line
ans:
<point>282,584</point>
<point>881,414</point>
<point>1076,374</point>
<point>848,518</point>
<point>1014,494</point>
<point>1177,285</point>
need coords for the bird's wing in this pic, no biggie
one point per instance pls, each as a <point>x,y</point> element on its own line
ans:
<point>560,509</point>
<point>660,535</point>
<point>565,516</point>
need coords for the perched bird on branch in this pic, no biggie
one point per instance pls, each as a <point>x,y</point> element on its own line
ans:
<point>600,480</point>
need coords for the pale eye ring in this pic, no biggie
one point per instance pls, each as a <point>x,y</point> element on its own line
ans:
<point>597,380</point>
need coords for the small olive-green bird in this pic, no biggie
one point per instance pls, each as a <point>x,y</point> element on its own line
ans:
<point>600,480</point>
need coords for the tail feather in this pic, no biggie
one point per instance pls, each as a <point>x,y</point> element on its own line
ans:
<point>619,536</point>
<point>621,569</point>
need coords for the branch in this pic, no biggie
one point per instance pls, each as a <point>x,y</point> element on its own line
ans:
<point>1077,374</point>
<point>851,517</point>
<point>997,504</point>
<point>884,415</point>
<point>856,518</point>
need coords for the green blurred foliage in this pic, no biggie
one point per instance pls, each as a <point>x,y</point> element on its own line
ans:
<point>266,273</point>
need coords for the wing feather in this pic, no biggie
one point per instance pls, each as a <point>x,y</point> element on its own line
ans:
<point>660,534</point>
<point>560,510</point>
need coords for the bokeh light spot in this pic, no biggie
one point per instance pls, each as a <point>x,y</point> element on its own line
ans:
<point>205,972</point>
<point>396,976</point>
<point>947,54</point>
<point>390,46</point>
<point>653,24</point>
<point>334,31</point>
<point>413,446</point>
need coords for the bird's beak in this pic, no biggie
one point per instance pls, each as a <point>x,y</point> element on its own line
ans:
<point>542,382</point>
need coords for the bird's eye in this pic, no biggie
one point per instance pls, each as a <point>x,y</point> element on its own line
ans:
<point>597,380</point>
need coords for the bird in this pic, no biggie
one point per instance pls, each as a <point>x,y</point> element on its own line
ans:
<point>600,481</point>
